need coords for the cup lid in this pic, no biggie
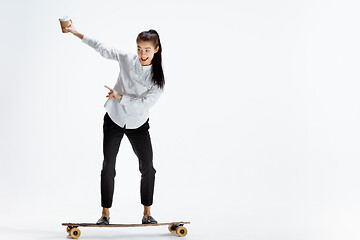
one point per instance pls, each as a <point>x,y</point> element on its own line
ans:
<point>64,18</point>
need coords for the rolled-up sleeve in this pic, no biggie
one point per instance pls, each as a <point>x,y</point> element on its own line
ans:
<point>106,51</point>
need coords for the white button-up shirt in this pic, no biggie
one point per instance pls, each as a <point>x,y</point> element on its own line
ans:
<point>134,83</point>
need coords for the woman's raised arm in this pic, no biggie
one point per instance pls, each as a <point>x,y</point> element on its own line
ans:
<point>105,50</point>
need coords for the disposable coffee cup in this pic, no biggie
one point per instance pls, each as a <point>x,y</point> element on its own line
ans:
<point>65,22</point>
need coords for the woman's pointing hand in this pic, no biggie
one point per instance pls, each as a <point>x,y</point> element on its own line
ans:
<point>113,93</point>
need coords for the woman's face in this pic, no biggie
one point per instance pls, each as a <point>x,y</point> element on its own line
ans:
<point>146,52</point>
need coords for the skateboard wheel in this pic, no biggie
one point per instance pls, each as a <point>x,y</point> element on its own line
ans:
<point>68,229</point>
<point>172,228</point>
<point>181,231</point>
<point>75,232</point>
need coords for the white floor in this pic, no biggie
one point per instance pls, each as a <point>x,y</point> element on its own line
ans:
<point>201,228</point>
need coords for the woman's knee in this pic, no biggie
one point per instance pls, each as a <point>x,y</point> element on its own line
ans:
<point>147,169</point>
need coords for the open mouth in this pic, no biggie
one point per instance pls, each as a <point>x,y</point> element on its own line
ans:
<point>144,59</point>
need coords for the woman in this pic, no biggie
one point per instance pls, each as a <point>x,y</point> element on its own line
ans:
<point>139,85</point>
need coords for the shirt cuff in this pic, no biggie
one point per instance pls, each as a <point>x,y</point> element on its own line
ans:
<point>85,39</point>
<point>125,100</point>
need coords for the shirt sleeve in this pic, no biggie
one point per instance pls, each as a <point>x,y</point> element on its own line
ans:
<point>147,101</point>
<point>106,51</point>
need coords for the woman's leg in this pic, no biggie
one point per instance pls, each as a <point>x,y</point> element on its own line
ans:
<point>111,143</point>
<point>141,144</point>
<point>147,211</point>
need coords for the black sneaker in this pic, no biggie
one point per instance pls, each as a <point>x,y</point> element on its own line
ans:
<point>103,221</point>
<point>148,220</point>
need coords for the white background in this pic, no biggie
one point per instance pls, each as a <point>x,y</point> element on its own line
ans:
<point>255,137</point>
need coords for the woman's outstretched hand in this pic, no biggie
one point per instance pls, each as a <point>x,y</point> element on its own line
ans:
<point>74,31</point>
<point>72,28</point>
<point>113,93</point>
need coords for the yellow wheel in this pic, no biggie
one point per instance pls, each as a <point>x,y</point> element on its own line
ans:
<point>75,232</point>
<point>68,229</point>
<point>172,228</point>
<point>181,231</point>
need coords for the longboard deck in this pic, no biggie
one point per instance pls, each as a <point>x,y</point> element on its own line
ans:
<point>121,225</point>
<point>174,227</point>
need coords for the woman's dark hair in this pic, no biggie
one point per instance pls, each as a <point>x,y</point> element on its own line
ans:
<point>157,70</point>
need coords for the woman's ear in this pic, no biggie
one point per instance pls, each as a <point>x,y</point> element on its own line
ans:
<point>157,49</point>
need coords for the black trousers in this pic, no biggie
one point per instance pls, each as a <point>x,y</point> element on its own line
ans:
<point>141,144</point>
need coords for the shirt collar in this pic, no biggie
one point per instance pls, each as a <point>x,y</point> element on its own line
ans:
<point>146,67</point>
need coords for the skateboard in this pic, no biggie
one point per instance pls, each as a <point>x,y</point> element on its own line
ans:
<point>174,227</point>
